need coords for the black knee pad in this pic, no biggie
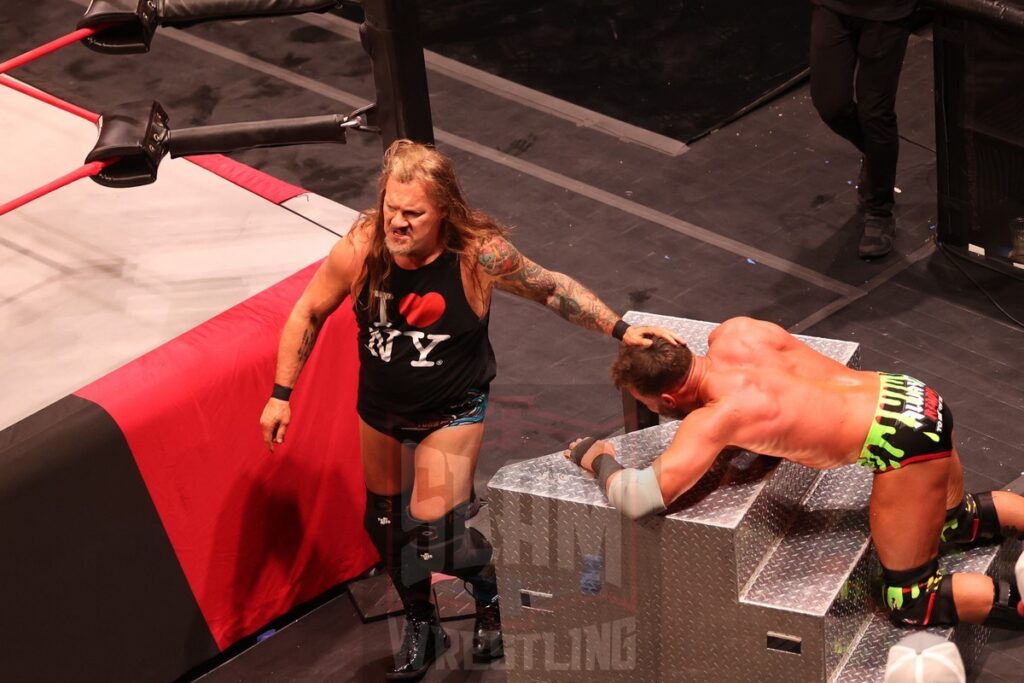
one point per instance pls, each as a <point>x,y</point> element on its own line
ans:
<point>1004,608</point>
<point>383,522</point>
<point>448,546</point>
<point>973,521</point>
<point>919,596</point>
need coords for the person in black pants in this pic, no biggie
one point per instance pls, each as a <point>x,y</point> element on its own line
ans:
<point>857,49</point>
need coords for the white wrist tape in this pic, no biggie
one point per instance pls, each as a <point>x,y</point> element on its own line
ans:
<point>636,492</point>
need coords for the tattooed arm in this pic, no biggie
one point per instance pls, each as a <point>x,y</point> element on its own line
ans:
<point>510,271</point>
<point>330,284</point>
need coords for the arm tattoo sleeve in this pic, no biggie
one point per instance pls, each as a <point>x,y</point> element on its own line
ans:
<point>499,258</point>
<point>579,305</point>
<point>517,274</point>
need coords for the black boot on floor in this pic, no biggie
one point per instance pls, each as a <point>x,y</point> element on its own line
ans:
<point>877,238</point>
<point>423,642</point>
<point>487,642</point>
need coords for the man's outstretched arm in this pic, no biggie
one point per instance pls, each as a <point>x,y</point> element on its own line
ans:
<point>701,436</point>
<point>512,272</point>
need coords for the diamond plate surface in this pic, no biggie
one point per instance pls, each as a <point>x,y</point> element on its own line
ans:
<point>374,597</point>
<point>769,515</point>
<point>452,599</point>
<point>866,663</point>
<point>846,616</point>
<point>568,579</point>
<point>696,332</point>
<point>760,557</point>
<point>573,572</point>
<point>723,497</point>
<point>812,561</point>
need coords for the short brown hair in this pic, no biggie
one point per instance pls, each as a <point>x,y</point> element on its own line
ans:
<point>651,371</point>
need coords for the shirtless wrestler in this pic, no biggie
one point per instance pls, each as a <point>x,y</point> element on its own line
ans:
<point>761,389</point>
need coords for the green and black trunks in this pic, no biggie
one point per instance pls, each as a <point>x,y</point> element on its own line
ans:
<point>912,424</point>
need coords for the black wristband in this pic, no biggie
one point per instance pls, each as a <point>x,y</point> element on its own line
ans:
<point>281,392</point>
<point>619,331</point>
<point>604,466</point>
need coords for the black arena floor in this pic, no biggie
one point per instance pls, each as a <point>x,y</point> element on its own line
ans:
<point>757,218</point>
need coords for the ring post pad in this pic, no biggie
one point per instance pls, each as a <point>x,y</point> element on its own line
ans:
<point>124,26</point>
<point>135,133</point>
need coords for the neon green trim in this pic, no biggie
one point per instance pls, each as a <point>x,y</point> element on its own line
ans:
<point>894,391</point>
<point>894,595</point>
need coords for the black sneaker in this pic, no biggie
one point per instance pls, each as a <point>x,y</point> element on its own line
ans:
<point>487,641</point>
<point>424,641</point>
<point>877,238</point>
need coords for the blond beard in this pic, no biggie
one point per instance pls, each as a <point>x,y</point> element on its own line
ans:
<point>396,250</point>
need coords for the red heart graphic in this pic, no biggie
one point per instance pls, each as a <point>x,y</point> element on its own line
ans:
<point>422,311</point>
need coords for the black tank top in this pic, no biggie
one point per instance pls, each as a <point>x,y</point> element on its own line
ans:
<point>423,347</point>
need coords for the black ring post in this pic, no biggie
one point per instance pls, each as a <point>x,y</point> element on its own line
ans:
<point>391,36</point>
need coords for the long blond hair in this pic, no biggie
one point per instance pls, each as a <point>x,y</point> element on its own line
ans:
<point>463,227</point>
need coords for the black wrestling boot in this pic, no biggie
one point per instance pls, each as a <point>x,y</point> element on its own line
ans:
<point>424,641</point>
<point>487,641</point>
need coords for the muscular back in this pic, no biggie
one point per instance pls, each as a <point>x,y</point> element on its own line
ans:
<point>784,398</point>
<point>761,344</point>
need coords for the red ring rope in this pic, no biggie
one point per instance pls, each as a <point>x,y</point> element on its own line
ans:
<point>85,171</point>
<point>45,49</point>
<point>48,98</point>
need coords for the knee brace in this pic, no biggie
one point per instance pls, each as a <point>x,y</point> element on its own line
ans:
<point>448,546</point>
<point>919,596</point>
<point>1004,612</point>
<point>973,521</point>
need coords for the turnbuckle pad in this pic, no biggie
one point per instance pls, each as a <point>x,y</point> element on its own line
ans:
<point>135,134</point>
<point>123,26</point>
